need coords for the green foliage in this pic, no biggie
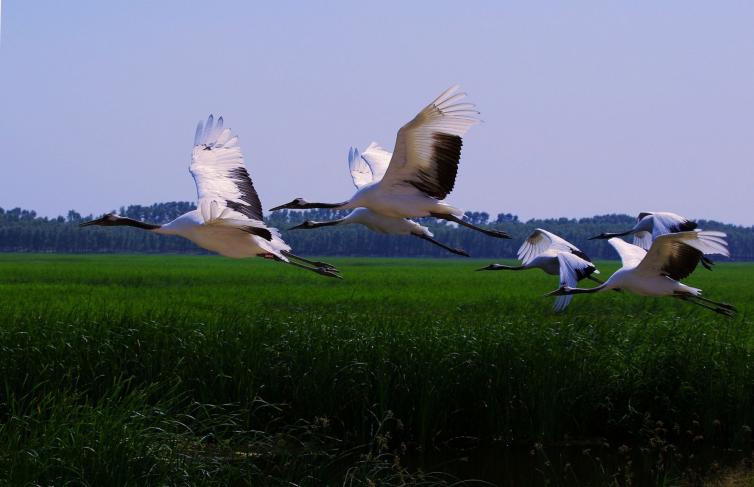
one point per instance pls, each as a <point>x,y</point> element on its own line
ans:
<point>199,370</point>
<point>23,231</point>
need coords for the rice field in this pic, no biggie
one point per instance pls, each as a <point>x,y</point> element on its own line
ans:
<point>200,370</point>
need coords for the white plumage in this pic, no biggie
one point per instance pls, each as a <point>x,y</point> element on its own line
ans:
<point>382,224</point>
<point>422,170</point>
<point>228,218</point>
<point>419,162</point>
<point>367,168</point>
<point>219,172</point>
<point>650,225</point>
<point>671,257</point>
<point>541,241</point>
<point>556,256</point>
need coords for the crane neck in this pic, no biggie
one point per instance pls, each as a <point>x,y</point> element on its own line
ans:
<point>587,290</point>
<point>511,267</point>
<point>128,222</point>
<point>328,223</point>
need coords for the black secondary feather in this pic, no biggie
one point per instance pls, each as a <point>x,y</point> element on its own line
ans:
<point>438,181</point>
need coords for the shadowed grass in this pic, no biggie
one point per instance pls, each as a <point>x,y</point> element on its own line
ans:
<point>193,370</point>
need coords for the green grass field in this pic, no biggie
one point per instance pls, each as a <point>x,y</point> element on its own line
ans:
<point>197,370</point>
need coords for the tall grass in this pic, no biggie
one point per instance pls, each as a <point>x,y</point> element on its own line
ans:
<point>198,370</point>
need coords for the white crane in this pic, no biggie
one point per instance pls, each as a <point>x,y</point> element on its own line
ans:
<point>556,256</point>
<point>228,218</point>
<point>422,170</point>
<point>651,224</point>
<point>671,257</point>
<point>366,168</point>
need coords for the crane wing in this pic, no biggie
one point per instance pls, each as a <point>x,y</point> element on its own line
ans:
<point>666,222</point>
<point>676,255</point>
<point>378,160</point>
<point>631,255</point>
<point>361,173</point>
<point>659,223</point>
<point>540,241</point>
<point>643,239</point>
<point>219,172</point>
<point>572,269</point>
<point>214,213</point>
<point>428,148</point>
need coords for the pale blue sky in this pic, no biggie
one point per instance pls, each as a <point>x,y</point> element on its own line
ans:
<point>589,107</point>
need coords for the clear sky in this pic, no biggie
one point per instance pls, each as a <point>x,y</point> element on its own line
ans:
<point>589,107</point>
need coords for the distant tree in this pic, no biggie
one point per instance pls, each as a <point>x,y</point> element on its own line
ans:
<point>74,217</point>
<point>23,231</point>
<point>477,217</point>
<point>506,218</point>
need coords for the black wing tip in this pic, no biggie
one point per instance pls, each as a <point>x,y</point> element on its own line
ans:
<point>682,261</point>
<point>251,206</point>
<point>259,232</point>
<point>446,155</point>
<point>580,254</point>
<point>585,272</point>
<point>685,226</point>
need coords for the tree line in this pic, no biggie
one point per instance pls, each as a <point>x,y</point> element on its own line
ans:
<point>25,231</point>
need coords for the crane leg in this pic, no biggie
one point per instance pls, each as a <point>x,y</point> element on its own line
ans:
<point>486,231</point>
<point>721,308</point>
<point>440,244</point>
<point>312,262</point>
<point>716,303</point>
<point>324,271</point>
<point>319,270</point>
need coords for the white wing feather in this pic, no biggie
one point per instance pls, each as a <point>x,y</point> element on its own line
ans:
<point>571,265</point>
<point>378,160</point>
<point>361,173</point>
<point>666,222</point>
<point>215,214</point>
<point>540,241</point>
<point>631,255</point>
<point>568,277</point>
<point>643,239</point>
<point>652,224</point>
<point>218,169</point>
<point>424,158</point>
<point>667,255</point>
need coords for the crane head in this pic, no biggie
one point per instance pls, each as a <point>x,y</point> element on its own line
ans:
<point>306,224</point>
<point>297,204</point>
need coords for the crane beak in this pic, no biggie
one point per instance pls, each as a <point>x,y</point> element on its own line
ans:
<point>296,227</point>
<point>293,205</point>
